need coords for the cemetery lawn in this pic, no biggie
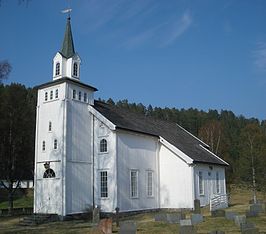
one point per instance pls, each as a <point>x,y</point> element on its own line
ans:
<point>145,222</point>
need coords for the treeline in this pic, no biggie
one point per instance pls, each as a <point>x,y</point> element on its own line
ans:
<point>238,140</point>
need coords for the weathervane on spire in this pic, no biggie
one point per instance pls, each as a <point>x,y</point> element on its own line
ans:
<point>68,10</point>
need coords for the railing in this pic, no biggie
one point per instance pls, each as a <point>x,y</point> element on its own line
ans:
<point>219,202</point>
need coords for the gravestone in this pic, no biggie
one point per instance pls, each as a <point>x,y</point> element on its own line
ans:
<point>251,213</point>
<point>128,227</point>
<point>188,229</point>
<point>249,228</point>
<point>185,222</point>
<point>216,232</point>
<point>197,206</point>
<point>230,215</point>
<point>105,226</point>
<point>257,208</point>
<point>96,215</point>
<point>240,219</point>
<point>161,217</point>
<point>117,216</point>
<point>196,218</point>
<point>174,217</point>
<point>218,213</point>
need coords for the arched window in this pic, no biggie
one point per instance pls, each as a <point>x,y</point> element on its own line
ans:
<point>55,144</point>
<point>103,145</point>
<point>57,69</point>
<point>49,173</point>
<point>43,146</point>
<point>75,69</point>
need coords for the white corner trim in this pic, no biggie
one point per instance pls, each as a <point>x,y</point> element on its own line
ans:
<point>213,154</point>
<point>99,116</point>
<point>176,151</point>
<point>192,135</point>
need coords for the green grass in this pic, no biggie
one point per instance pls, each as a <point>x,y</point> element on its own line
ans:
<point>145,222</point>
<point>21,201</point>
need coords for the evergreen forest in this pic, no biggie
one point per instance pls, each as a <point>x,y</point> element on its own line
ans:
<point>238,140</point>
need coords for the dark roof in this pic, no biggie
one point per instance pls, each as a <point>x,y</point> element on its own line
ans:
<point>65,79</point>
<point>172,132</point>
<point>68,46</point>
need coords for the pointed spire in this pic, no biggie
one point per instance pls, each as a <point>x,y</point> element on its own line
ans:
<point>68,46</point>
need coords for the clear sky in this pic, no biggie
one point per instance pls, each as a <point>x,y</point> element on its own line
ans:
<point>205,54</point>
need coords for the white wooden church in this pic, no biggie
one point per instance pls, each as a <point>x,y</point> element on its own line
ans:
<point>89,153</point>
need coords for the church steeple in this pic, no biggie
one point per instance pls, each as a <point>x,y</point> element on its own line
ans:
<point>67,61</point>
<point>68,45</point>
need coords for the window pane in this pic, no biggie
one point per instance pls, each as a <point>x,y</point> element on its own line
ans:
<point>79,96</point>
<point>46,96</point>
<point>55,144</point>
<point>104,184</point>
<point>50,126</point>
<point>74,94</point>
<point>134,183</point>
<point>150,183</point>
<point>57,69</point>
<point>85,97</point>
<point>217,183</point>
<point>51,94</point>
<point>43,146</point>
<point>56,93</point>
<point>103,145</point>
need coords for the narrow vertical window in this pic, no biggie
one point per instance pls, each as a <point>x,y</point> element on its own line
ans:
<point>46,96</point>
<point>217,182</point>
<point>201,184</point>
<point>43,146</point>
<point>50,126</point>
<point>55,144</point>
<point>75,69</point>
<point>103,146</point>
<point>104,184</point>
<point>51,94</point>
<point>134,183</point>
<point>85,97</point>
<point>149,183</point>
<point>56,93</point>
<point>74,94</point>
<point>79,96</point>
<point>57,69</point>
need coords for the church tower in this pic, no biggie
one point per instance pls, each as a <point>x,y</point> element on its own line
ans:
<point>63,145</point>
<point>66,62</point>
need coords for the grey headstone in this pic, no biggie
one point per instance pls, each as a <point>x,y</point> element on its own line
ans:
<point>175,217</point>
<point>185,222</point>
<point>250,231</point>
<point>161,217</point>
<point>247,225</point>
<point>96,215</point>
<point>128,227</point>
<point>218,213</point>
<point>240,219</point>
<point>230,215</point>
<point>251,213</point>
<point>196,218</point>
<point>256,208</point>
<point>197,206</point>
<point>187,229</point>
<point>216,232</point>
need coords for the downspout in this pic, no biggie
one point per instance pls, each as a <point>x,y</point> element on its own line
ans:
<point>93,176</point>
<point>193,184</point>
<point>159,176</point>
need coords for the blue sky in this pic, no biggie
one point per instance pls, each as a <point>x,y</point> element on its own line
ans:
<point>205,54</point>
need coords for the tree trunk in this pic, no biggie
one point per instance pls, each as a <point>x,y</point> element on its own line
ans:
<point>10,198</point>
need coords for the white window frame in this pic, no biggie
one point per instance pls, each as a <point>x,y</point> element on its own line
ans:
<point>46,96</point>
<point>217,177</point>
<point>75,69</point>
<point>105,149</point>
<point>43,146</point>
<point>201,183</point>
<point>57,69</point>
<point>50,126</point>
<point>134,185</point>
<point>56,93</point>
<point>55,146</point>
<point>103,184</point>
<point>150,183</point>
